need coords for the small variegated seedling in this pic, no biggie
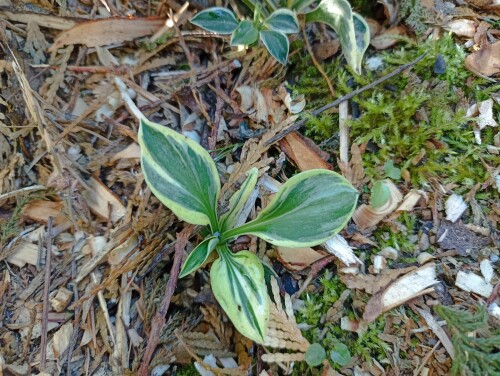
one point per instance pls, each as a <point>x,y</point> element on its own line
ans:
<point>309,208</point>
<point>271,25</point>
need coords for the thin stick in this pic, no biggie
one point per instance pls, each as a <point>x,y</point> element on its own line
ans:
<point>426,359</point>
<point>46,287</point>
<point>104,307</point>
<point>344,132</point>
<point>159,320</point>
<point>335,103</point>
<point>22,190</point>
<point>317,64</point>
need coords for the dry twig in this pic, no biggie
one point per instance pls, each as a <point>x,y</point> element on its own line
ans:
<point>159,319</point>
<point>46,287</point>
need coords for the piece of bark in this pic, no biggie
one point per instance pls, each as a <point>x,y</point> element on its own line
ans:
<point>302,154</point>
<point>409,286</point>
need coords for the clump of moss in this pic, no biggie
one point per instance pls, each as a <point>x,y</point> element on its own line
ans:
<point>364,346</point>
<point>417,119</point>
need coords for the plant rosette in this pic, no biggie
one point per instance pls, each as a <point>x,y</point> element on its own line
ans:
<point>309,209</point>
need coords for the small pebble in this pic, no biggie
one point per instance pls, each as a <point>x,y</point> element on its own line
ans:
<point>439,64</point>
<point>423,242</point>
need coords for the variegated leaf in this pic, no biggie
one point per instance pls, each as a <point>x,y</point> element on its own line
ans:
<point>339,16</point>
<point>309,209</point>
<point>238,200</point>
<point>198,256</point>
<point>180,173</point>
<point>238,285</point>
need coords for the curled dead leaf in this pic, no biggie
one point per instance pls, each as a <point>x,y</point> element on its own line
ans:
<point>323,51</point>
<point>461,27</point>
<point>486,61</point>
<point>366,216</point>
<point>388,38</point>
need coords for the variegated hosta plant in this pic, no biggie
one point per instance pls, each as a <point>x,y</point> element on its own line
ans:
<point>310,208</point>
<point>271,25</point>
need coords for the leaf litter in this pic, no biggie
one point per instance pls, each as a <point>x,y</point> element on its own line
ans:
<point>88,250</point>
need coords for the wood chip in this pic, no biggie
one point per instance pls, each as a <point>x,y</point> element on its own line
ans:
<point>62,339</point>
<point>101,199</point>
<point>409,286</point>
<point>61,299</point>
<point>473,283</point>
<point>40,211</point>
<point>24,253</point>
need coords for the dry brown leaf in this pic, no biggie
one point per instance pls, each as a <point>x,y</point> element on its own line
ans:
<point>461,27</point>
<point>391,9</point>
<point>486,61</point>
<point>409,286</point>
<point>107,31</point>
<point>324,50</point>
<point>297,259</point>
<point>374,26</point>
<point>388,38</point>
<point>301,153</point>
